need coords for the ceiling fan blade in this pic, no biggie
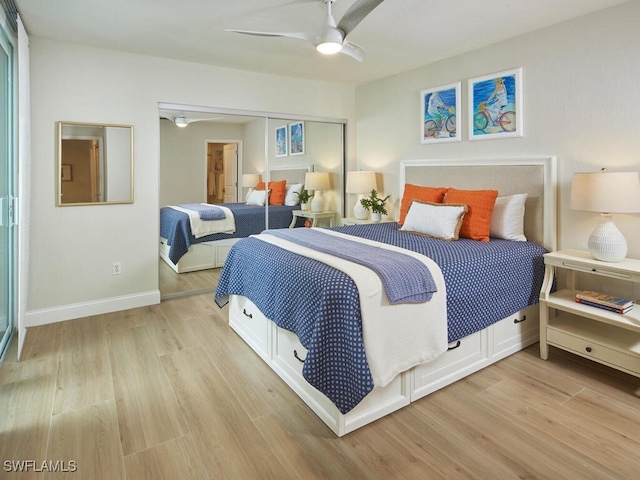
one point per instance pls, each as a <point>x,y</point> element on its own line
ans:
<point>191,120</point>
<point>356,14</point>
<point>353,50</point>
<point>167,116</point>
<point>299,35</point>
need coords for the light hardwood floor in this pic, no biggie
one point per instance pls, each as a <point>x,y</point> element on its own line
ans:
<point>174,285</point>
<point>169,391</point>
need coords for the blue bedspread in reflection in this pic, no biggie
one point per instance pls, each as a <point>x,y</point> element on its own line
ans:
<point>250,220</point>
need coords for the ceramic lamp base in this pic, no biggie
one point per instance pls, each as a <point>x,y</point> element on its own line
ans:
<point>606,242</point>
<point>359,211</point>
<point>317,204</point>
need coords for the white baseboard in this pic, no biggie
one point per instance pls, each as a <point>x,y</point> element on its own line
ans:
<point>87,309</point>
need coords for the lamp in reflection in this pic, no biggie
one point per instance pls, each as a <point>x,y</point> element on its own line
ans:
<point>317,181</point>
<point>250,180</point>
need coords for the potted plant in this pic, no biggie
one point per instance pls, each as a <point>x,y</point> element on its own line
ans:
<point>376,205</point>
<point>304,198</point>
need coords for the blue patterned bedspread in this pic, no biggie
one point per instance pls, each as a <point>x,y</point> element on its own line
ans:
<point>250,220</point>
<point>486,281</point>
<point>405,278</point>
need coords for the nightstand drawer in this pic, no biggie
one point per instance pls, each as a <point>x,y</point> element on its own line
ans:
<point>626,361</point>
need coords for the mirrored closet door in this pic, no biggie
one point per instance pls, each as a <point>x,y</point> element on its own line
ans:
<point>218,156</point>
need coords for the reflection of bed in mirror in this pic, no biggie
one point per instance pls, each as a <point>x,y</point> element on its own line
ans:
<point>183,252</point>
<point>489,312</point>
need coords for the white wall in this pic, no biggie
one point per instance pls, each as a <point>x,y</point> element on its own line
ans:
<point>581,103</point>
<point>72,248</point>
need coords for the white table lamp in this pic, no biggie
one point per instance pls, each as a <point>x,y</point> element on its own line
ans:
<point>317,181</point>
<point>361,182</point>
<point>250,180</point>
<point>607,193</point>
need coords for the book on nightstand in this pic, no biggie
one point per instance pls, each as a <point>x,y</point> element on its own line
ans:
<point>604,301</point>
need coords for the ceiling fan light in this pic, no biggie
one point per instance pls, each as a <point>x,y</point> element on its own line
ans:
<point>329,48</point>
<point>181,122</point>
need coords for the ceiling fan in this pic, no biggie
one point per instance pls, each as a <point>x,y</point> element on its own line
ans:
<point>330,38</point>
<point>182,121</point>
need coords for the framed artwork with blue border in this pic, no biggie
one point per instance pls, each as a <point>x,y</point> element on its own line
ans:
<point>282,143</point>
<point>439,114</point>
<point>296,138</point>
<point>495,105</point>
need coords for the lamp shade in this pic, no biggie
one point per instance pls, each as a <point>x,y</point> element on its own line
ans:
<point>250,180</point>
<point>361,182</point>
<point>316,181</point>
<point>606,192</point>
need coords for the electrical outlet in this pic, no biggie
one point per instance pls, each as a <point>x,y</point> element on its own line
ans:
<point>117,268</point>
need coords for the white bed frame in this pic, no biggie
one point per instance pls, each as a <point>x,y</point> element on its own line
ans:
<point>205,255</point>
<point>282,351</point>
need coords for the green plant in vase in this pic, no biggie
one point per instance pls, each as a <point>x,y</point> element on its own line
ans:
<point>304,198</point>
<point>376,204</point>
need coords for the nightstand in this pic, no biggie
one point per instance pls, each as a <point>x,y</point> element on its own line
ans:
<point>313,216</point>
<point>606,337</point>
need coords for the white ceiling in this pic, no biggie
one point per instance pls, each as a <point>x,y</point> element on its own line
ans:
<point>399,35</point>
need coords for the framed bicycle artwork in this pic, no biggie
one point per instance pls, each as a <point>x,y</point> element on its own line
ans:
<point>282,141</point>
<point>296,138</point>
<point>439,118</point>
<point>495,104</point>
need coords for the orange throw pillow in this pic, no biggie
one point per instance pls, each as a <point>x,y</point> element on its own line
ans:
<point>423,194</point>
<point>477,221</point>
<point>277,191</point>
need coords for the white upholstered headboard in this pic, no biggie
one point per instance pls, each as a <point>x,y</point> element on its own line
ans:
<point>535,176</point>
<point>290,174</point>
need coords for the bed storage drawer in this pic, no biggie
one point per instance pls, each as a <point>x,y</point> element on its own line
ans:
<point>516,332</point>
<point>198,258</point>
<point>222,250</point>
<point>288,360</point>
<point>251,325</point>
<point>462,358</point>
<point>289,352</point>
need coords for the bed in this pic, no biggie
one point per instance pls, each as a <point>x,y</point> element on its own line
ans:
<point>183,252</point>
<point>318,332</point>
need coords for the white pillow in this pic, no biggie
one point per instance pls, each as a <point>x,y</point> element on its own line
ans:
<point>507,220</point>
<point>437,220</point>
<point>292,195</point>
<point>258,197</point>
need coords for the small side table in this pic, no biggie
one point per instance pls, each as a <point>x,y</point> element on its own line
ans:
<point>313,216</point>
<point>606,337</point>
